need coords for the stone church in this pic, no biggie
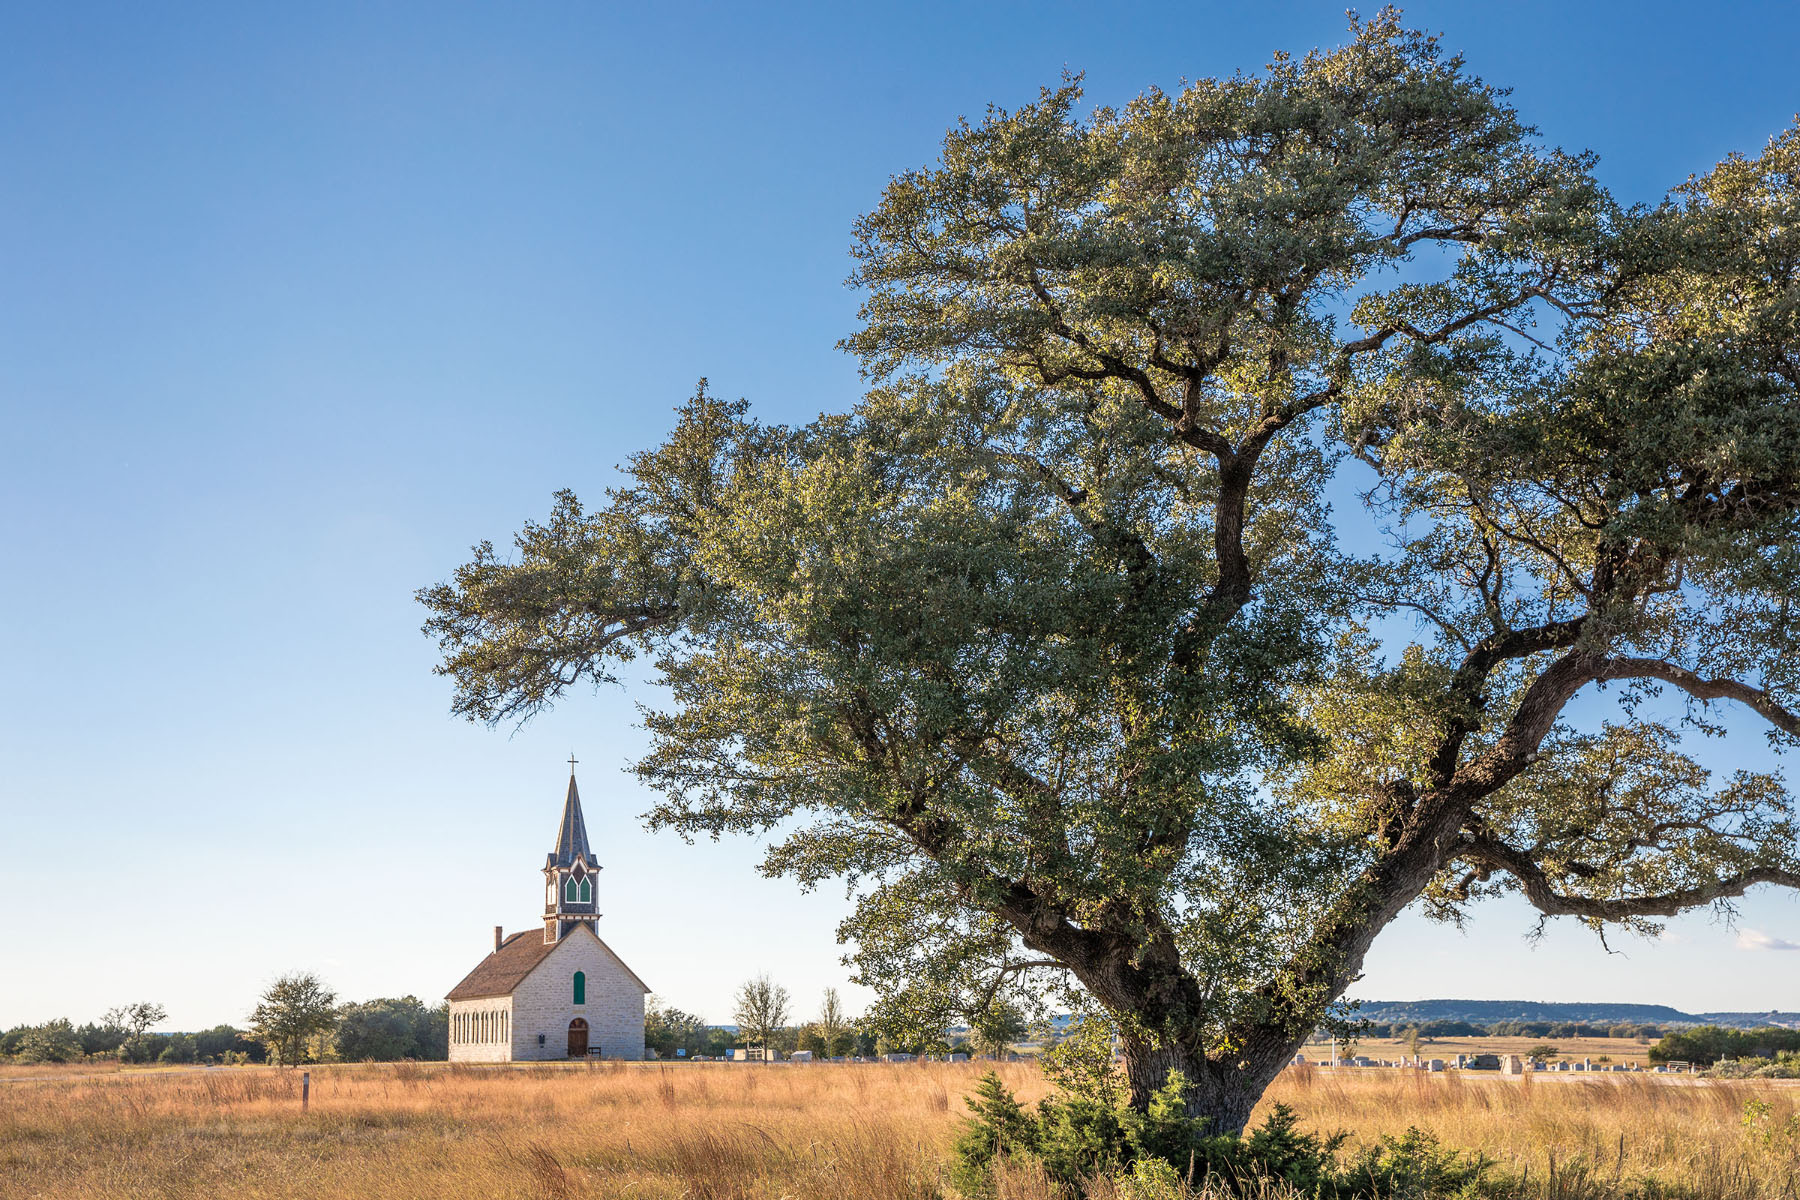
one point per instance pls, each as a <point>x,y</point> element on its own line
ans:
<point>558,993</point>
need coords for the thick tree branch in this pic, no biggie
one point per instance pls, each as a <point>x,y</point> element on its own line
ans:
<point>1703,689</point>
<point>1485,849</point>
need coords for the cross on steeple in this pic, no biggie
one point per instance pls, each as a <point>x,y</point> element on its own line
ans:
<point>569,871</point>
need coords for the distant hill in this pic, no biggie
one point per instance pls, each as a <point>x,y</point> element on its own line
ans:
<point>1488,1012</point>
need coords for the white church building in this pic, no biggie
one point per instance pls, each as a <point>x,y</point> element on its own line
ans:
<point>555,993</point>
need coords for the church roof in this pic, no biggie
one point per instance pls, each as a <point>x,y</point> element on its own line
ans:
<point>503,970</point>
<point>571,835</point>
<point>518,956</point>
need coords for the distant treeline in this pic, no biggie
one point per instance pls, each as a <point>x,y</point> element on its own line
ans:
<point>1538,1029</point>
<point>384,1030</point>
<point>61,1041</point>
<point>1711,1043</point>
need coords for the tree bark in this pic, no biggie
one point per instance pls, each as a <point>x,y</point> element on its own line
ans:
<point>1223,1093</point>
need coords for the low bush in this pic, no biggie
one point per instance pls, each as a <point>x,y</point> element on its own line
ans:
<point>52,1042</point>
<point>1077,1139</point>
<point>1707,1044</point>
<point>1785,1065</point>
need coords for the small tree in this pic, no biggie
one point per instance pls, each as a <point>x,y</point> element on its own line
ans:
<point>133,1021</point>
<point>294,1009</point>
<point>1083,1063</point>
<point>668,1029</point>
<point>99,1039</point>
<point>182,1048</point>
<point>54,1041</point>
<point>996,1028</point>
<point>834,1026</point>
<point>762,1011</point>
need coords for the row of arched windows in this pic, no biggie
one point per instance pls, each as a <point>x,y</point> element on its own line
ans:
<point>476,1027</point>
<point>578,891</point>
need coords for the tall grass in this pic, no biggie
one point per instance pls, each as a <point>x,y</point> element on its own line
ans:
<point>716,1132</point>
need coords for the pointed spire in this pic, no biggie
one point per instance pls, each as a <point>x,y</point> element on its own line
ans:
<point>571,835</point>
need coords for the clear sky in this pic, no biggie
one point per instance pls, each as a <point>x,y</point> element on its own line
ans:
<point>298,301</point>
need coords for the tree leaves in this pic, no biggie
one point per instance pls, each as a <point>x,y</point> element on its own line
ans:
<point>1052,646</point>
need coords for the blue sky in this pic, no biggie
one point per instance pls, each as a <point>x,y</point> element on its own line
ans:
<point>297,302</point>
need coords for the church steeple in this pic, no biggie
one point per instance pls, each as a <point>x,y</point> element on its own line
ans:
<point>570,872</point>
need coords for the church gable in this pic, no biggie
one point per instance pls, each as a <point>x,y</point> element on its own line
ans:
<point>610,962</point>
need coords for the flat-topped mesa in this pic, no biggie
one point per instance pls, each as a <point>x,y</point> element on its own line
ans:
<point>569,874</point>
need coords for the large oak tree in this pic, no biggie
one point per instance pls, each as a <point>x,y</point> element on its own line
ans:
<point>1053,645</point>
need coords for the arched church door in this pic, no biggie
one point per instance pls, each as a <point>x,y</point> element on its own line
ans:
<point>578,1038</point>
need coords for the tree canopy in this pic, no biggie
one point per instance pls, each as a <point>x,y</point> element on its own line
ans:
<point>1054,644</point>
<point>295,1009</point>
<point>761,1013</point>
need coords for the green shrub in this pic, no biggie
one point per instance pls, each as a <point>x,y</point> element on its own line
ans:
<point>55,1041</point>
<point>1707,1044</point>
<point>1278,1149</point>
<point>1080,1139</point>
<point>180,1049</point>
<point>1412,1165</point>
<point>1150,1179</point>
<point>1160,1152</point>
<point>1000,1128</point>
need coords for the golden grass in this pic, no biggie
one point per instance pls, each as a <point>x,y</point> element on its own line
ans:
<point>1566,1136</point>
<point>87,1066</point>
<point>821,1132</point>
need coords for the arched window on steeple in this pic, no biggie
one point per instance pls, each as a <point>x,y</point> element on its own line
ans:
<point>581,987</point>
<point>572,890</point>
<point>587,891</point>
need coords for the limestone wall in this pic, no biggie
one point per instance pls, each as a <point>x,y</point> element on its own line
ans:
<point>544,1003</point>
<point>475,1029</point>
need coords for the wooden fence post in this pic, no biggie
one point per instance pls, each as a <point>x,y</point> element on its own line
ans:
<point>305,1088</point>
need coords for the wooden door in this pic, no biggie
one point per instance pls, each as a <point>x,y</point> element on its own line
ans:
<point>578,1038</point>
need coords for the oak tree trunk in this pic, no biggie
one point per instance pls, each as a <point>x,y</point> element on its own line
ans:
<point>1223,1093</point>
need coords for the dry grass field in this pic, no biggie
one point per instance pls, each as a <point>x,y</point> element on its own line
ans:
<point>801,1132</point>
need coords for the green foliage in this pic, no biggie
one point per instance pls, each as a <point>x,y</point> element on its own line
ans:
<point>391,1030</point>
<point>1411,1165</point>
<point>1784,1065</point>
<point>1075,1140</point>
<point>836,1034</point>
<point>1707,1044</point>
<point>761,1012</point>
<point>1082,1063</point>
<point>101,1039</point>
<point>294,1011</point>
<point>1050,643</point>
<point>999,1129</point>
<point>61,1041</point>
<point>132,1022</point>
<point>1761,1125</point>
<point>1151,1179</point>
<point>668,1029</point>
<point>1279,1149</point>
<point>53,1041</point>
<point>995,1028</point>
<point>222,1043</point>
